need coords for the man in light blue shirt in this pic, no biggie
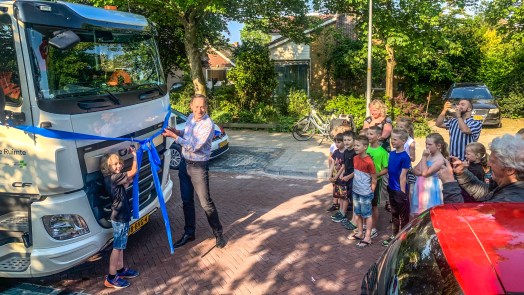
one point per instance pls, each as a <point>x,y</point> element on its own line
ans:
<point>193,171</point>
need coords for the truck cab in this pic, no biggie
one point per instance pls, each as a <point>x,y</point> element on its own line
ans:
<point>85,70</point>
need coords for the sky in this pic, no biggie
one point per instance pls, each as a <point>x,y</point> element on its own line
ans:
<point>234,30</point>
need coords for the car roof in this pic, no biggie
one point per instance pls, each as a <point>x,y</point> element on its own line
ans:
<point>483,244</point>
<point>467,84</point>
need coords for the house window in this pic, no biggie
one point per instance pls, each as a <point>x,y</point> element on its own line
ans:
<point>292,76</point>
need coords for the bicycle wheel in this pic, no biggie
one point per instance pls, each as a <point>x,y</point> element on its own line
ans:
<point>303,130</point>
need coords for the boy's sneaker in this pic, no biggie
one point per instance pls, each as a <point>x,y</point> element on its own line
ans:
<point>348,225</point>
<point>128,273</point>
<point>117,283</point>
<point>388,241</point>
<point>339,219</point>
<point>337,215</point>
<point>374,233</point>
<point>333,207</point>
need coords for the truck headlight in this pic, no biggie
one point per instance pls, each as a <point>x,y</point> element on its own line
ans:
<point>65,226</point>
<point>493,111</point>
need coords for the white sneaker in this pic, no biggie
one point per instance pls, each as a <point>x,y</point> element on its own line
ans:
<point>374,233</point>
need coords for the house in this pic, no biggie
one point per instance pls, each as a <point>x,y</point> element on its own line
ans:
<point>218,63</point>
<point>215,65</point>
<point>302,66</point>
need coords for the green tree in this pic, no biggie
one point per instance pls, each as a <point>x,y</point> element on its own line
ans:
<point>254,75</point>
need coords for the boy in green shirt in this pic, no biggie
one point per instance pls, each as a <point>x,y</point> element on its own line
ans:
<point>380,159</point>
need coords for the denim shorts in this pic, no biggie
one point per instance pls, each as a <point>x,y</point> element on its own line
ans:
<point>362,204</point>
<point>120,230</point>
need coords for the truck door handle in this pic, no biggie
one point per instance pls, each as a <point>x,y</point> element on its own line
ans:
<point>46,124</point>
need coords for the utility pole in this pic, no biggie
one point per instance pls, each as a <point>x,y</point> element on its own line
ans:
<point>369,71</point>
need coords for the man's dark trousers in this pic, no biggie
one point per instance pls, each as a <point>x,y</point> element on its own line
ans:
<point>194,178</point>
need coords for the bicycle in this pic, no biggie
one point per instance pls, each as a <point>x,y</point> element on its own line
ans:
<point>308,126</point>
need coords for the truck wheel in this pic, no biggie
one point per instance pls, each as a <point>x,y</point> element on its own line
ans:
<point>176,156</point>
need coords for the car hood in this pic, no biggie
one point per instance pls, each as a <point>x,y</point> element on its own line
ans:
<point>481,103</point>
<point>483,244</point>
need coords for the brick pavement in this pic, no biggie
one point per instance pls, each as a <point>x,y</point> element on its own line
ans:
<point>280,241</point>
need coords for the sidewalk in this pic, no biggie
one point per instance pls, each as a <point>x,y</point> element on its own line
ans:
<point>299,158</point>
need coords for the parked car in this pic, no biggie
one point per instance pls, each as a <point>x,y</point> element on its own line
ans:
<point>485,107</point>
<point>472,248</point>
<point>219,145</point>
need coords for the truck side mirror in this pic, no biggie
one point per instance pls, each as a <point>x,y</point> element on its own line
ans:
<point>64,40</point>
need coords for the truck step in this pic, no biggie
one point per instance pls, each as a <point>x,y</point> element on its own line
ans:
<point>32,289</point>
<point>14,221</point>
<point>14,262</point>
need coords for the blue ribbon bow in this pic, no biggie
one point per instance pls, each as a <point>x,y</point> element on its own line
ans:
<point>146,145</point>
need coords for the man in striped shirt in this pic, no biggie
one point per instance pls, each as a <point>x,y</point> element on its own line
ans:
<point>463,129</point>
<point>193,171</point>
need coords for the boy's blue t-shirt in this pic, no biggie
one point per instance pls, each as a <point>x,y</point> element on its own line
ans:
<point>397,162</point>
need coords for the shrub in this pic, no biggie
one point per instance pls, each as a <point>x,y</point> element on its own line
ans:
<point>180,99</point>
<point>512,106</point>
<point>348,104</point>
<point>298,103</point>
<point>265,113</point>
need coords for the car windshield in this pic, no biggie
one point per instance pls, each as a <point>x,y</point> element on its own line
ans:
<point>103,61</point>
<point>474,93</point>
<point>415,263</point>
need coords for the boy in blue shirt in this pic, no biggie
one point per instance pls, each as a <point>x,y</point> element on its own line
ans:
<point>398,165</point>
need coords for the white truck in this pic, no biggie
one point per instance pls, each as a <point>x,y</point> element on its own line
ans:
<point>85,70</point>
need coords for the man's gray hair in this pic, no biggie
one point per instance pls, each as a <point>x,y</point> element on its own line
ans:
<point>509,149</point>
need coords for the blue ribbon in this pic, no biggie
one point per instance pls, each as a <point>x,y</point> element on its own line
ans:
<point>146,145</point>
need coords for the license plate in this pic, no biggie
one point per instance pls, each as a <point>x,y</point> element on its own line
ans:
<point>478,117</point>
<point>222,144</point>
<point>133,228</point>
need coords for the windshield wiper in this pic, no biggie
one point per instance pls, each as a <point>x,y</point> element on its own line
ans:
<point>137,86</point>
<point>112,97</point>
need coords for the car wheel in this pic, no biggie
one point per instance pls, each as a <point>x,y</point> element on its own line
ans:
<point>176,157</point>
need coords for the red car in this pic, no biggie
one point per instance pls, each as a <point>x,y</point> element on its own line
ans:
<point>473,248</point>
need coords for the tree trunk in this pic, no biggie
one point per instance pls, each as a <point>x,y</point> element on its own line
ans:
<point>390,70</point>
<point>193,54</point>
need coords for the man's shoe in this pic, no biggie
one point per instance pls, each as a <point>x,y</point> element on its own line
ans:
<point>117,283</point>
<point>221,241</point>
<point>183,240</point>
<point>128,273</point>
<point>332,208</point>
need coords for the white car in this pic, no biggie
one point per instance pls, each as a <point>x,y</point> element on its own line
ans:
<point>219,145</point>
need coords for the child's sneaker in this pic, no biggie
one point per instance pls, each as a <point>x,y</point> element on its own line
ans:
<point>337,215</point>
<point>374,233</point>
<point>117,283</point>
<point>128,273</point>
<point>339,219</point>
<point>332,208</point>
<point>348,225</point>
<point>388,241</point>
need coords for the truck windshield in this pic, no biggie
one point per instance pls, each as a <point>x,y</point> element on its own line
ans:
<point>104,61</point>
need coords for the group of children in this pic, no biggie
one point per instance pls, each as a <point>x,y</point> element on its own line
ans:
<point>359,165</point>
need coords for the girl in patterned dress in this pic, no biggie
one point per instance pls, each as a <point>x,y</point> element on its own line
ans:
<point>428,187</point>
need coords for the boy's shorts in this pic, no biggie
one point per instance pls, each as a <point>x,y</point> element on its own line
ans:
<point>377,193</point>
<point>362,205</point>
<point>120,230</point>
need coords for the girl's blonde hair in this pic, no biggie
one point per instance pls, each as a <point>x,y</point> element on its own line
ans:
<point>406,124</point>
<point>379,105</point>
<point>480,150</point>
<point>106,161</point>
<point>438,139</point>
